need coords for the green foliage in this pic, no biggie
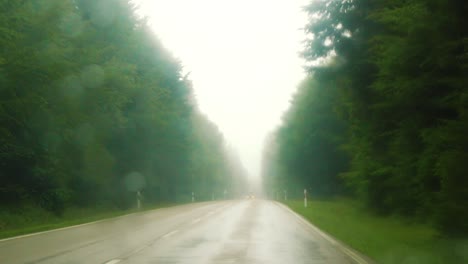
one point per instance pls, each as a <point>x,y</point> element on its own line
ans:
<point>386,240</point>
<point>398,69</point>
<point>88,95</point>
<point>306,152</point>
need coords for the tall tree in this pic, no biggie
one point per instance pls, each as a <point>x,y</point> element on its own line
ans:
<point>92,106</point>
<point>396,72</point>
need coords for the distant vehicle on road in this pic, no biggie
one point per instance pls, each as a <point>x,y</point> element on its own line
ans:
<point>250,197</point>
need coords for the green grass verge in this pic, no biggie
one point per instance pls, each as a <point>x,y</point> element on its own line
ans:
<point>32,220</point>
<point>386,240</point>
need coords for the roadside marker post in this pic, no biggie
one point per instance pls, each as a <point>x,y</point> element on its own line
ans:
<point>305,198</point>
<point>193,197</point>
<point>138,200</point>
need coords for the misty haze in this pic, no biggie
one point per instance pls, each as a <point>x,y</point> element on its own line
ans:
<point>249,131</point>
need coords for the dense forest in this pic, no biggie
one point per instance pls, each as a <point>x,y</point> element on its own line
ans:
<point>93,108</point>
<point>383,113</point>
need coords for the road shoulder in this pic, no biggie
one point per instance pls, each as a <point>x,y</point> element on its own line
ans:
<point>356,256</point>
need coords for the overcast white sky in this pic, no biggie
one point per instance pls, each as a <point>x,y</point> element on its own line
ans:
<point>243,58</point>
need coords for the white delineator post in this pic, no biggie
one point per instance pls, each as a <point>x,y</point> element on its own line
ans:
<point>138,199</point>
<point>305,197</point>
<point>193,197</point>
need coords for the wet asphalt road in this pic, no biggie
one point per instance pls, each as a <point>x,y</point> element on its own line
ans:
<point>256,231</point>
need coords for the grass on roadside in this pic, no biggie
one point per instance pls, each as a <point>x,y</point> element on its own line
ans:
<point>386,240</point>
<point>32,220</point>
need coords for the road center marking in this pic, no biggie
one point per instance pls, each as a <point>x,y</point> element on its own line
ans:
<point>114,261</point>
<point>170,234</point>
<point>137,250</point>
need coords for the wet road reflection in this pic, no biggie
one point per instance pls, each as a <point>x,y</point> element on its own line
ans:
<point>245,231</point>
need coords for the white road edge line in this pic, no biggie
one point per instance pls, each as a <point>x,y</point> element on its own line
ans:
<point>170,234</point>
<point>75,226</point>
<point>84,224</point>
<point>54,230</point>
<point>114,261</point>
<point>196,221</point>
<point>333,241</point>
<point>353,255</point>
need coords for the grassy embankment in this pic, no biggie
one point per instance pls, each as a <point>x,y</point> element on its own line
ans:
<point>33,219</point>
<point>384,239</point>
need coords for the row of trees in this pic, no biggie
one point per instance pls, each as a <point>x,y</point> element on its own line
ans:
<point>383,114</point>
<point>92,107</point>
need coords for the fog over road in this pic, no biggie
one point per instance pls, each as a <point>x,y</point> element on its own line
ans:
<point>244,231</point>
